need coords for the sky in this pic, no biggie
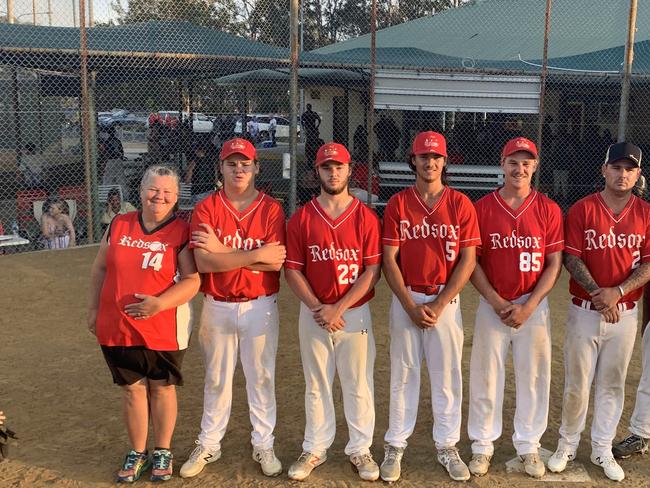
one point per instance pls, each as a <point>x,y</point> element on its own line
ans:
<point>62,11</point>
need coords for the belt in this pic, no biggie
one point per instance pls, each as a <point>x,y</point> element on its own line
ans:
<point>428,289</point>
<point>587,305</point>
<point>233,299</point>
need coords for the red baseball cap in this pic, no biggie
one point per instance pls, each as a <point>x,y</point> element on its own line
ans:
<point>332,151</point>
<point>237,146</point>
<point>519,144</point>
<point>429,142</point>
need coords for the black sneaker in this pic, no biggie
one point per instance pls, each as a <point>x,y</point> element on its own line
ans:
<point>632,444</point>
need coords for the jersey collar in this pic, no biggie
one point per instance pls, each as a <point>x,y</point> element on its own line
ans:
<point>515,214</point>
<point>247,211</point>
<point>334,223</point>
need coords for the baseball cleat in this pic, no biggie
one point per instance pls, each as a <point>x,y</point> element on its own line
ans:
<point>199,457</point>
<point>454,465</point>
<point>479,464</point>
<point>305,465</point>
<point>391,467</point>
<point>533,465</point>
<point>365,466</point>
<point>558,461</point>
<point>632,444</point>
<point>612,470</point>
<point>135,463</point>
<point>271,465</point>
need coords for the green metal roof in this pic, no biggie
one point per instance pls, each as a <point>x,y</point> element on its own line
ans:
<point>163,45</point>
<point>508,34</point>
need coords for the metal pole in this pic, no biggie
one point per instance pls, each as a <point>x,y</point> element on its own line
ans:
<point>542,88</point>
<point>49,11</point>
<point>371,97</point>
<point>34,12</point>
<point>85,120</point>
<point>91,15</point>
<point>627,73</point>
<point>293,102</point>
<point>10,11</point>
<point>74,14</point>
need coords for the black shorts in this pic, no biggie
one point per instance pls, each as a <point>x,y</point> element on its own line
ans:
<point>129,365</point>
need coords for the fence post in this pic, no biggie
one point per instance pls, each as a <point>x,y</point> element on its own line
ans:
<point>293,102</point>
<point>85,121</point>
<point>542,90</point>
<point>627,73</point>
<point>371,97</point>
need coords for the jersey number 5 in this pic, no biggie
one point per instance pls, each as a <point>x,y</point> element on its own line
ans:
<point>154,261</point>
<point>530,261</point>
<point>347,274</point>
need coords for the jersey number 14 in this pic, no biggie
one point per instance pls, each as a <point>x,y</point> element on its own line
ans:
<point>151,260</point>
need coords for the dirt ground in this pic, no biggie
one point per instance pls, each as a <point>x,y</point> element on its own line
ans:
<point>59,397</point>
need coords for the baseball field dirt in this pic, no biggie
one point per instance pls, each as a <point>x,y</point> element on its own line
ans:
<point>58,395</point>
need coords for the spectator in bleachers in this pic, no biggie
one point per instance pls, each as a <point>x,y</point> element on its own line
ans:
<point>56,225</point>
<point>115,206</point>
<point>202,170</point>
<point>31,166</point>
<point>114,153</point>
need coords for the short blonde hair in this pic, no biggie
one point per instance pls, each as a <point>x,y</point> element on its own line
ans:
<point>160,170</point>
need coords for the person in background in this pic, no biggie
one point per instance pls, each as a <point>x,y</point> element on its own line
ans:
<point>115,206</point>
<point>141,280</point>
<point>273,127</point>
<point>56,225</point>
<point>202,171</point>
<point>31,165</point>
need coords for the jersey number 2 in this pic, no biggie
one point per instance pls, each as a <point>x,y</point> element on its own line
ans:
<point>347,274</point>
<point>154,261</point>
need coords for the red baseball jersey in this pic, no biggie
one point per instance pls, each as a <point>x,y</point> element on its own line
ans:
<point>138,261</point>
<point>611,247</point>
<point>260,223</point>
<point>333,253</point>
<point>429,238</point>
<point>515,243</point>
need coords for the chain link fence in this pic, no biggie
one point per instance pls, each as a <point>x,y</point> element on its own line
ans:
<point>168,81</point>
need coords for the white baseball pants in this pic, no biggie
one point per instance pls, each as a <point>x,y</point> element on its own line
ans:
<point>350,353</point>
<point>640,422</point>
<point>253,327</point>
<point>531,355</point>
<point>595,352</point>
<point>442,348</point>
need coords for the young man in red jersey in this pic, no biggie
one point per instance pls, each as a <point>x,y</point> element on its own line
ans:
<point>607,252</point>
<point>238,240</point>
<point>430,237</point>
<point>333,263</point>
<point>519,262</point>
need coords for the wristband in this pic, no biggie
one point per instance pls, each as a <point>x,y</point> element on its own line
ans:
<point>620,288</point>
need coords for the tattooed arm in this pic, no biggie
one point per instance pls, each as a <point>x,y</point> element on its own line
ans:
<point>579,272</point>
<point>637,279</point>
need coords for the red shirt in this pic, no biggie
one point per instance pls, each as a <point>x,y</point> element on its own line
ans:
<point>260,223</point>
<point>429,238</point>
<point>611,247</point>
<point>142,262</point>
<point>516,242</point>
<point>333,253</point>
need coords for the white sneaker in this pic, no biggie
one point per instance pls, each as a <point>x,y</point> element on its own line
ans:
<point>533,465</point>
<point>366,466</point>
<point>558,461</point>
<point>454,465</point>
<point>271,465</point>
<point>479,464</point>
<point>612,469</point>
<point>391,467</point>
<point>305,465</point>
<point>199,457</point>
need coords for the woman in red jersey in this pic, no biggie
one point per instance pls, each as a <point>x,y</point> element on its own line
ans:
<point>141,281</point>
